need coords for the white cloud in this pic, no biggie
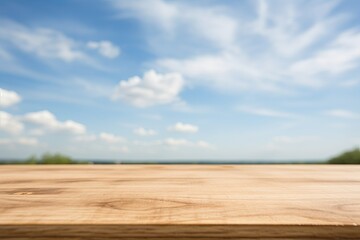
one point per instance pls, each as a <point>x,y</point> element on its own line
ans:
<point>49,122</point>
<point>341,113</point>
<point>110,138</point>
<point>19,141</point>
<point>144,132</point>
<point>27,141</point>
<point>8,98</point>
<point>264,112</point>
<point>105,48</point>
<point>150,90</point>
<point>215,69</point>
<point>74,127</point>
<point>86,138</point>
<point>10,123</point>
<point>183,127</point>
<point>43,42</point>
<point>176,142</point>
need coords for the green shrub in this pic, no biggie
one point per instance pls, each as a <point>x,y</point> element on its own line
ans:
<point>349,157</point>
<point>49,158</point>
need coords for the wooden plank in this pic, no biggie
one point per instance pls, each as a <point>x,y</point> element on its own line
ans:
<point>180,202</point>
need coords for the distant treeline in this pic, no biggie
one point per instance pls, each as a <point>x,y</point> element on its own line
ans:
<point>349,157</point>
<point>47,158</point>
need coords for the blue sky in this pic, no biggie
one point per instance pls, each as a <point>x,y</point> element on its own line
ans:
<point>157,79</point>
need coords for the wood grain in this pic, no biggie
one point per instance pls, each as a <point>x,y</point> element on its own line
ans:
<point>180,202</point>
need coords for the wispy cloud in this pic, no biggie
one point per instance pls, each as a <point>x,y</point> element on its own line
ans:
<point>204,23</point>
<point>342,113</point>
<point>5,55</point>
<point>339,56</point>
<point>47,46</point>
<point>278,39</point>
<point>25,141</point>
<point>42,42</point>
<point>105,48</point>
<point>265,112</point>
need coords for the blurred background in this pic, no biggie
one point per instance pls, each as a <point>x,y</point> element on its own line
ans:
<point>148,81</point>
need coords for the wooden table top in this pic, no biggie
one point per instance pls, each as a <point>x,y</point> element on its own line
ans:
<point>180,201</point>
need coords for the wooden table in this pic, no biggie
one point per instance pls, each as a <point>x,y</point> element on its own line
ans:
<point>180,202</point>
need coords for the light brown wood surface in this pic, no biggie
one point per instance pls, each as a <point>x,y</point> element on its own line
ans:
<point>180,202</point>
